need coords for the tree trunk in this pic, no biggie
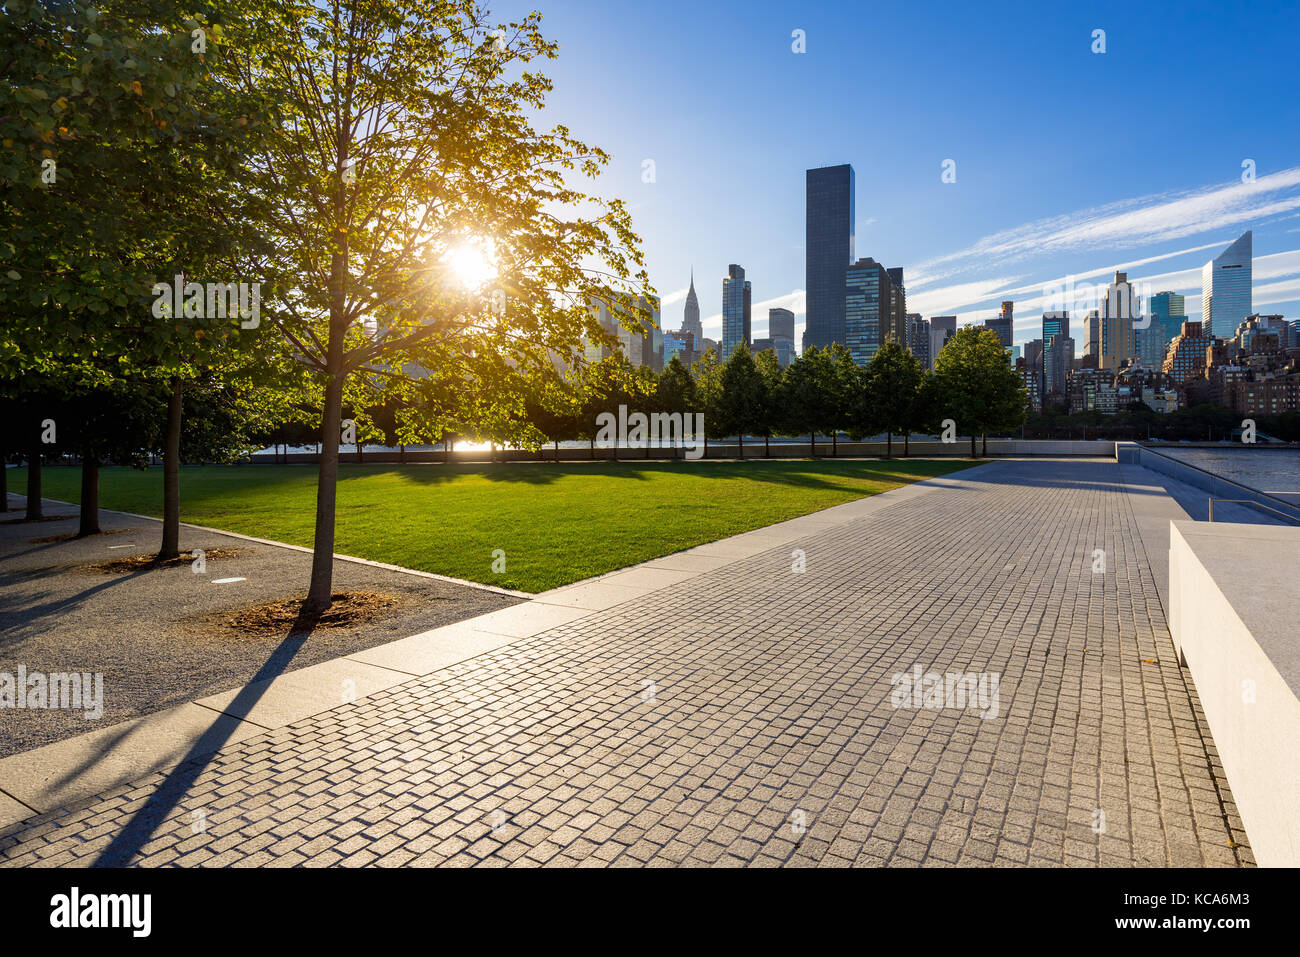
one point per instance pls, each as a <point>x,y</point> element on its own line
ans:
<point>767,446</point>
<point>972,446</point>
<point>359,459</point>
<point>320,594</point>
<point>34,484</point>
<point>907,441</point>
<point>889,445</point>
<point>89,496</point>
<point>740,444</point>
<point>812,445</point>
<point>984,445</point>
<point>835,444</point>
<point>401,454</point>
<point>171,530</point>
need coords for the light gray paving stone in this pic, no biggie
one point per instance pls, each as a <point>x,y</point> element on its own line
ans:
<point>290,697</point>
<point>70,770</point>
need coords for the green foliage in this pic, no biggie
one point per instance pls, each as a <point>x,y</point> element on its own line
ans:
<point>742,405</point>
<point>893,384</point>
<point>675,391</point>
<point>976,386</point>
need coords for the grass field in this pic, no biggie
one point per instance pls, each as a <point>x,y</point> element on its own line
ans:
<point>557,523</point>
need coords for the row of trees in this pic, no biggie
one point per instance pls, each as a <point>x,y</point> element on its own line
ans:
<point>822,392</point>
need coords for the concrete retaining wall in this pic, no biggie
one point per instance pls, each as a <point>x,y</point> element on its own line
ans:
<point>1233,598</point>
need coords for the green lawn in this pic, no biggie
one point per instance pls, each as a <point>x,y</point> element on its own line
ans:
<point>557,523</point>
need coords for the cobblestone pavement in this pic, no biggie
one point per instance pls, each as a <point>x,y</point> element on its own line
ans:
<point>745,717</point>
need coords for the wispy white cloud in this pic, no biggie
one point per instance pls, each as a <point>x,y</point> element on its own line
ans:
<point>669,298</point>
<point>1145,220</point>
<point>954,283</point>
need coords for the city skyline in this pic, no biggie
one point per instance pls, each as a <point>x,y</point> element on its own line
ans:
<point>1030,205</point>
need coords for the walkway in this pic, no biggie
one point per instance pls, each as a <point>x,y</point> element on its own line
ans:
<point>742,714</point>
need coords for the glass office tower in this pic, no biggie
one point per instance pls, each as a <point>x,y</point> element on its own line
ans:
<point>868,294</point>
<point>828,248</point>
<point>1226,288</point>
<point>735,311</point>
<point>1166,311</point>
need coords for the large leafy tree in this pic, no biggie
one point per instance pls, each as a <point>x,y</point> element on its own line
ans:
<point>816,394</point>
<point>108,420</point>
<point>741,408</point>
<point>416,216</point>
<point>120,162</point>
<point>977,387</point>
<point>893,383</point>
<point>770,376</point>
<point>707,371</point>
<point>675,392</point>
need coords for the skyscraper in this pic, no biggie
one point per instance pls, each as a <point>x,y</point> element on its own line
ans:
<point>1115,318</point>
<point>1226,288</point>
<point>736,329</point>
<point>1055,324</point>
<point>828,248</point>
<point>1057,356</point>
<point>780,329</point>
<point>897,307</point>
<point>942,328</point>
<point>1166,305</point>
<point>1092,335</point>
<point>1166,312</point>
<point>918,339</point>
<point>1002,325</point>
<point>873,309</point>
<point>691,317</point>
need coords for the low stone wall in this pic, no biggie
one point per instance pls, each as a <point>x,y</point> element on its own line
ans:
<point>922,448</point>
<point>1233,599</point>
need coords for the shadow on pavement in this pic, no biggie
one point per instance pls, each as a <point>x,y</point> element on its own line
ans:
<point>128,842</point>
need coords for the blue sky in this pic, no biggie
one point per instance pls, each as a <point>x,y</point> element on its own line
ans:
<point>1068,162</point>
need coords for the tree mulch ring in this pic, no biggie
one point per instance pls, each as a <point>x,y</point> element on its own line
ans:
<point>43,518</point>
<point>284,615</point>
<point>138,563</point>
<point>71,535</point>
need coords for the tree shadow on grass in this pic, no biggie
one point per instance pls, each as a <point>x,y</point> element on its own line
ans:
<point>127,843</point>
<point>801,473</point>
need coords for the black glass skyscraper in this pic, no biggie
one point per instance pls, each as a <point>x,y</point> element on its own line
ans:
<point>828,249</point>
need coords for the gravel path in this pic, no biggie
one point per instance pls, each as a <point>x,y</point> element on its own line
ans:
<point>159,637</point>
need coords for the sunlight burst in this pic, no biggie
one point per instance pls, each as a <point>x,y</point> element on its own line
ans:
<point>470,264</point>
